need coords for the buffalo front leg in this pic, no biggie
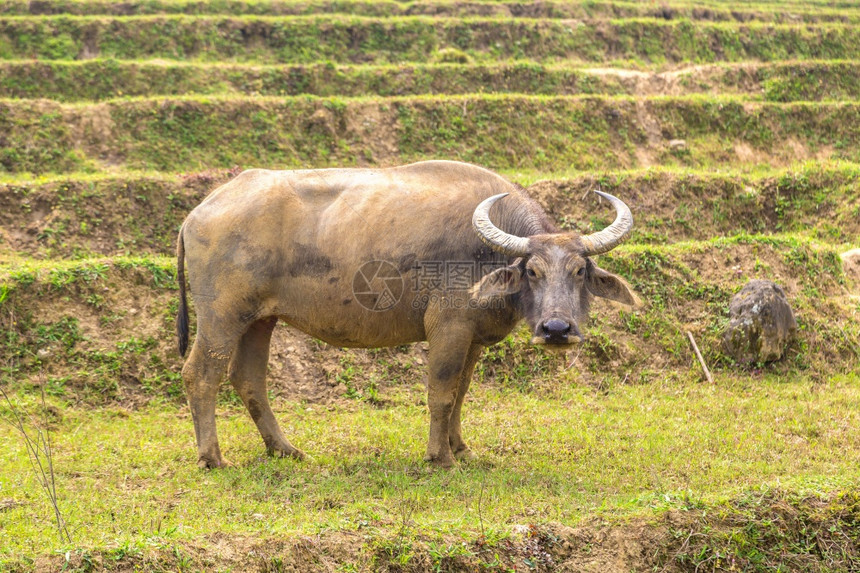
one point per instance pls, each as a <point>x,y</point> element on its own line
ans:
<point>455,436</point>
<point>247,373</point>
<point>202,374</point>
<point>447,358</point>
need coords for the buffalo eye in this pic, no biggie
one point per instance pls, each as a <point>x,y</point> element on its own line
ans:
<point>531,273</point>
<point>580,272</point>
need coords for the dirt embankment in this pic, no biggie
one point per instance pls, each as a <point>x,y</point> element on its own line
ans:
<point>771,530</point>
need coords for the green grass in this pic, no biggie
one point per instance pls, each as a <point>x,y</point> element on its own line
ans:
<point>415,39</point>
<point>108,79</point>
<point>561,454</point>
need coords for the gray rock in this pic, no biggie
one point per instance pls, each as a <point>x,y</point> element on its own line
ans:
<point>851,264</point>
<point>761,323</point>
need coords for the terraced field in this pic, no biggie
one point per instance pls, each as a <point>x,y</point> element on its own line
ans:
<point>731,129</point>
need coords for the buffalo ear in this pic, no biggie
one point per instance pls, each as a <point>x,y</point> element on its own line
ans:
<point>604,284</point>
<point>500,283</point>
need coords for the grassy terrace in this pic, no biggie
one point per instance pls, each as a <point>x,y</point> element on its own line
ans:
<point>791,12</point>
<point>348,39</point>
<point>83,215</point>
<point>95,80</point>
<point>549,133</point>
<point>82,311</point>
<point>117,118</point>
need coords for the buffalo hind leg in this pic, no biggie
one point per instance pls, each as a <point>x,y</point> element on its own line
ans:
<point>247,373</point>
<point>202,374</point>
<point>455,437</point>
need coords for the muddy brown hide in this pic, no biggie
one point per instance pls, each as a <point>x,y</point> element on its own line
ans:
<point>365,258</point>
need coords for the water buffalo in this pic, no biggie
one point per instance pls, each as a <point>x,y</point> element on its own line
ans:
<point>377,257</point>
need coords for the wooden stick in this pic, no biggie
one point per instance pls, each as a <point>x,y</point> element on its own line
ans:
<point>699,356</point>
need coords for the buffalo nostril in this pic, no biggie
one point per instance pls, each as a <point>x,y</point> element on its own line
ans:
<point>556,330</point>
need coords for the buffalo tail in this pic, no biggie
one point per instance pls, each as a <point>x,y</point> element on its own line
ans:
<point>182,313</point>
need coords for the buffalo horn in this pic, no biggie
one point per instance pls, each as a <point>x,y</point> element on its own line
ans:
<point>494,237</point>
<point>612,236</point>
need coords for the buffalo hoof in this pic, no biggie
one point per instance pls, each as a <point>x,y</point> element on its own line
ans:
<point>209,464</point>
<point>445,462</point>
<point>287,451</point>
<point>466,455</point>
